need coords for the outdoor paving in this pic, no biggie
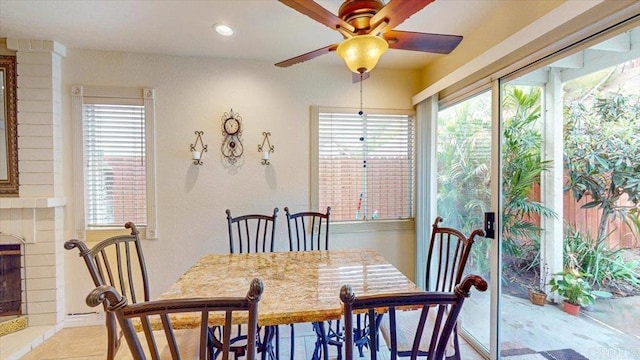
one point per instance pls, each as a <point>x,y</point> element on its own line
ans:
<point>611,331</point>
<point>619,313</point>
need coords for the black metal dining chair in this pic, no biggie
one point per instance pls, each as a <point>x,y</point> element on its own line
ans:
<point>251,233</point>
<point>447,258</point>
<point>161,341</point>
<point>437,317</point>
<point>308,231</point>
<point>118,262</point>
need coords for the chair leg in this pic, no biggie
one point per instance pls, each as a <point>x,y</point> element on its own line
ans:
<point>456,344</point>
<point>360,335</point>
<point>112,336</point>
<point>271,336</point>
<point>277,354</point>
<point>265,346</point>
<point>293,343</point>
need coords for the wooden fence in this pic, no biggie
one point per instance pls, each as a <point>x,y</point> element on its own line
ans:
<point>588,220</point>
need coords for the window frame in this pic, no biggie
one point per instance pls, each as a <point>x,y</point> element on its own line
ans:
<point>340,227</point>
<point>147,97</point>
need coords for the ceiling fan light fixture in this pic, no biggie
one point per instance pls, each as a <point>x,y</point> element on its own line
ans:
<point>362,52</point>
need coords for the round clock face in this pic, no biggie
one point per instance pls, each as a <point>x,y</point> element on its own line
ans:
<point>231,126</point>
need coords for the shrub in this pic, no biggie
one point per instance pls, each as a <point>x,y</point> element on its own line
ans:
<point>571,285</point>
<point>590,256</point>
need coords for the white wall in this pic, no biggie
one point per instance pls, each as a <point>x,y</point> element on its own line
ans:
<point>192,94</point>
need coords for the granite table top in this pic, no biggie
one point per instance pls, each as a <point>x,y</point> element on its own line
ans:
<point>299,286</point>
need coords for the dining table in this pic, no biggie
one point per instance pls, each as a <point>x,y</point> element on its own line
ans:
<point>299,286</point>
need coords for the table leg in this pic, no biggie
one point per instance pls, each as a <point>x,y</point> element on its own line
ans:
<point>322,342</point>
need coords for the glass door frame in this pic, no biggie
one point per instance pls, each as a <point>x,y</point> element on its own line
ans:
<point>496,208</point>
<point>426,201</point>
<point>496,254</point>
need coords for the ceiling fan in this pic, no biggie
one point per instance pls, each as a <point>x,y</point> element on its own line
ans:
<point>367,26</point>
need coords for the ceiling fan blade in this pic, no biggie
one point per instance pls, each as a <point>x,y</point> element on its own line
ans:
<point>434,43</point>
<point>355,78</point>
<point>397,11</point>
<point>318,13</point>
<point>308,56</point>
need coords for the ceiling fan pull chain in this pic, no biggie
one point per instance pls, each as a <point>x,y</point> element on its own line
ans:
<point>361,79</point>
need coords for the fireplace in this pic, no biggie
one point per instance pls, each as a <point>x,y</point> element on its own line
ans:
<point>35,220</point>
<point>10,280</point>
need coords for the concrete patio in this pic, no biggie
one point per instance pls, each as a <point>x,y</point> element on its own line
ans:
<point>611,331</point>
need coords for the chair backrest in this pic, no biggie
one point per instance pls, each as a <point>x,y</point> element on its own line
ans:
<point>158,326</point>
<point>251,233</point>
<point>118,262</point>
<point>308,230</point>
<point>439,311</point>
<point>447,257</point>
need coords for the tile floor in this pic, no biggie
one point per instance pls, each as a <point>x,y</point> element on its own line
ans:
<point>90,343</point>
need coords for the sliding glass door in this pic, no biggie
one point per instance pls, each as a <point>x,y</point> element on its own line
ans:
<point>463,155</point>
<point>552,149</point>
<point>570,200</point>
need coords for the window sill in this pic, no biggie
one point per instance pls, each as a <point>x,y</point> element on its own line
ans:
<point>99,234</point>
<point>371,226</point>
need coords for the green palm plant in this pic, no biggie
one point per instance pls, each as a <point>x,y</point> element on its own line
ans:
<point>522,167</point>
<point>464,158</point>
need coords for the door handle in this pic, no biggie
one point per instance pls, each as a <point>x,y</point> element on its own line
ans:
<point>489,225</point>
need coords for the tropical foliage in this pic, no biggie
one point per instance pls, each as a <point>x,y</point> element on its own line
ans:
<point>521,169</point>
<point>464,143</point>
<point>571,285</point>
<point>601,160</point>
<point>602,156</point>
<point>606,267</point>
<point>464,158</point>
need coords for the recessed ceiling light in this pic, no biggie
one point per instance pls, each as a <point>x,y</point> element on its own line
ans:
<point>223,30</point>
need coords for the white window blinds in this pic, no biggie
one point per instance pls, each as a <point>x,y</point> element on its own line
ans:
<point>115,163</point>
<point>366,165</point>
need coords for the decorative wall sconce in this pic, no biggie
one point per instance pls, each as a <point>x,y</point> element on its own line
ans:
<point>196,155</point>
<point>265,151</point>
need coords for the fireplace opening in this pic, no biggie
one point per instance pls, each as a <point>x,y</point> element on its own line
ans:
<point>10,280</point>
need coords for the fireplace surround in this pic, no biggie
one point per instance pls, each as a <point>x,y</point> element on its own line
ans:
<point>36,216</point>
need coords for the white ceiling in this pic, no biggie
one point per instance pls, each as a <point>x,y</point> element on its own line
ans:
<point>266,30</point>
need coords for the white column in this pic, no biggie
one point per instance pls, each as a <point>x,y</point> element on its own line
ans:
<point>551,240</point>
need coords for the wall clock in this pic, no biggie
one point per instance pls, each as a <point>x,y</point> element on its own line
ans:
<point>232,148</point>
